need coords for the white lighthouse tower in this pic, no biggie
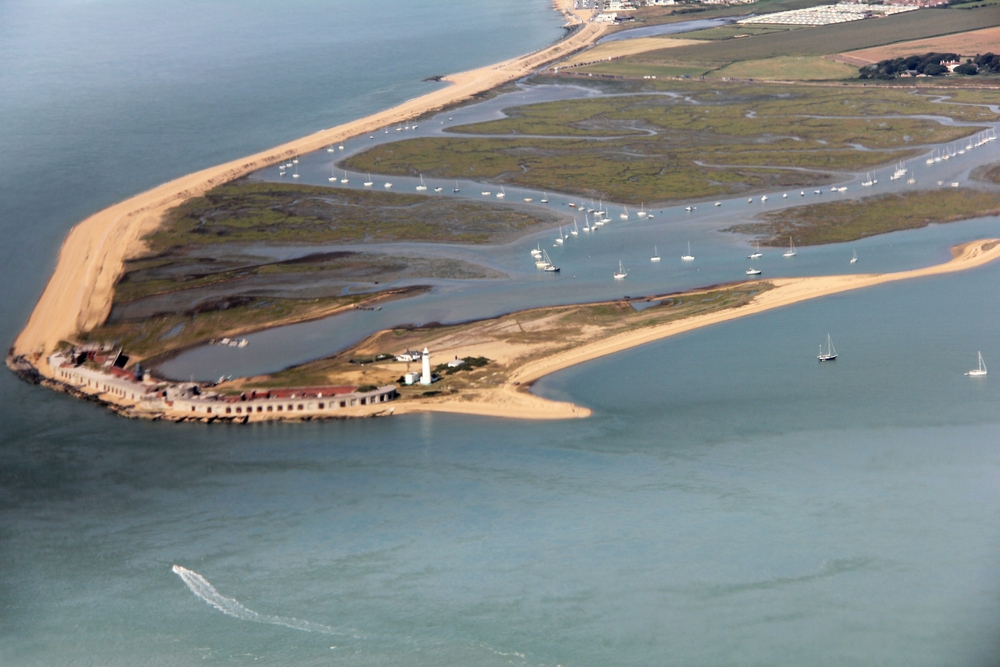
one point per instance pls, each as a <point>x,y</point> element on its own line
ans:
<point>425,359</point>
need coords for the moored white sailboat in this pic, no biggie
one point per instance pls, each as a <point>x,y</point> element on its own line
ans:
<point>656,255</point>
<point>791,248</point>
<point>981,370</point>
<point>621,273</point>
<point>830,353</point>
<point>688,257</point>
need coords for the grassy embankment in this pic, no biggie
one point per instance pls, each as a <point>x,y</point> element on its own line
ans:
<point>755,53</point>
<point>509,341</point>
<point>838,222</point>
<point>737,137</point>
<point>207,274</point>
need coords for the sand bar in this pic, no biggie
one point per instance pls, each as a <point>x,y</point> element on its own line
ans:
<point>79,294</point>
<point>513,400</point>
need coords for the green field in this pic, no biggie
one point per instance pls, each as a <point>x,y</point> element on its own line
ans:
<point>788,68</point>
<point>842,221</point>
<point>736,31</point>
<point>735,138</point>
<point>639,69</point>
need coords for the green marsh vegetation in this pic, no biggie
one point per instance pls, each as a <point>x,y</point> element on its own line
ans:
<point>841,221</point>
<point>245,212</point>
<point>207,272</point>
<point>722,140</point>
<point>159,335</point>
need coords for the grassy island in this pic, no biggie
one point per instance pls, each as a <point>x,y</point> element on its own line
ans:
<point>708,139</point>
<point>841,221</point>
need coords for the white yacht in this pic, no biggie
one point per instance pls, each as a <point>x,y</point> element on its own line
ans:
<point>830,353</point>
<point>547,263</point>
<point>387,185</point>
<point>502,193</point>
<point>576,229</point>
<point>369,182</point>
<point>545,198</point>
<point>753,272</point>
<point>642,211</point>
<point>854,257</point>
<point>791,248</point>
<point>756,253</point>
<point>624,214</point>
<point>978,372</point>
<point>421,187</point>
<point>621,273</point>
<point>561,239</point>
<point>688,257</point>
<point>344,179</point>
<point>455,189</point>
<point>656,255</point>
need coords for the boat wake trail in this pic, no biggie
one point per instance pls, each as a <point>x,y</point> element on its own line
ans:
<point>206,591</point>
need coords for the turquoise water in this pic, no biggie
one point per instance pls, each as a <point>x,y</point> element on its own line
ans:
<point>731,501</point>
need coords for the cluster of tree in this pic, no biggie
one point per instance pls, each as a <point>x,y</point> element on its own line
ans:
<point>930,65</point>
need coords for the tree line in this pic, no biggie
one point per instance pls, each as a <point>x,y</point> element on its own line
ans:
<point>929,64</point>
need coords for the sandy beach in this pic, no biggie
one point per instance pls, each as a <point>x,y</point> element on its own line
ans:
<point>78,296</point>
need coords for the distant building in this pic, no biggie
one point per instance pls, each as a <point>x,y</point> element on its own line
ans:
<point>456,362</point>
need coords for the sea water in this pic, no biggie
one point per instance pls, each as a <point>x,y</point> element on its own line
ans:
<point>731,502</point>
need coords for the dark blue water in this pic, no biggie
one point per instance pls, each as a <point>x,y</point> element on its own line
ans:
<point>731,502</point>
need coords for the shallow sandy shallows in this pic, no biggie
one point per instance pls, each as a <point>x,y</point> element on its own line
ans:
<point>513,400</point>
<point>79,293</point>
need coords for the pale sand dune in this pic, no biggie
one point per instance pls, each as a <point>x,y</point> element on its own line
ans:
<point>513,400</point>
<point>79,293</point>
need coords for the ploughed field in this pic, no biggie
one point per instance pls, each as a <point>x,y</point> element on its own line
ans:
<point>715,140</point>
<point>211,270</point>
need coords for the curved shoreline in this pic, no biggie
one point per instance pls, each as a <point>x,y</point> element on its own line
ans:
<point>79,293</point>
<point>513,400</point>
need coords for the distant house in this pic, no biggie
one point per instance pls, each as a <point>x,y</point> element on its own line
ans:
<point>456,362</point>
<point>409,355</point>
